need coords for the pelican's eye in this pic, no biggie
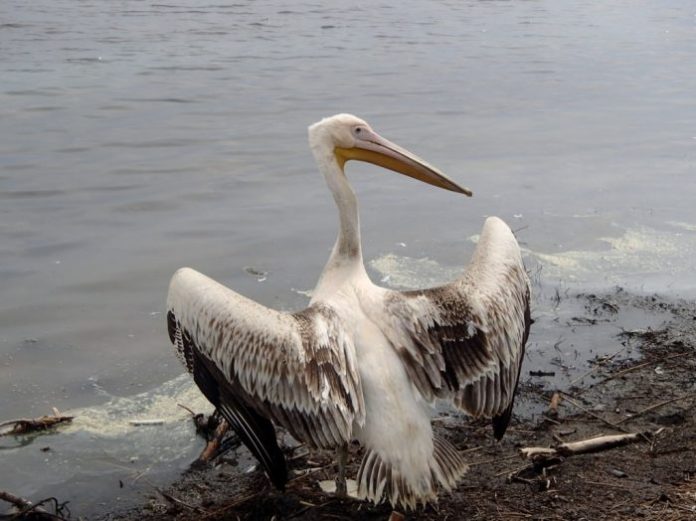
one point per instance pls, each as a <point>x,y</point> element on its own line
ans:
<point>358,131</point>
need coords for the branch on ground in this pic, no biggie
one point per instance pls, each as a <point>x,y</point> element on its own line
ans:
<point>30,425</point>
<point>544,456</point>
<point>25,509</point>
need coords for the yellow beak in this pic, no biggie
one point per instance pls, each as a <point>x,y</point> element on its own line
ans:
<point>373,148</point>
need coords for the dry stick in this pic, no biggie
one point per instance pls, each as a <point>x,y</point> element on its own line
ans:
<point>186,409</point>
<point>308,506</point>
<point>176,500</point>
<point>230,506</point>
<point>27,425</point>
<point>605,484</point>
<point>515,514</point>
<point>570,400</point>
<point>17,501</point>
<point>309,472</point>
<point>511,472</point>
<point>24,506</point>
<point>596,367</point>
<point>214,443</point>
<point>591,445</point>
<point>639,366</point>
<point>656,406</point>
<point>494,460</point>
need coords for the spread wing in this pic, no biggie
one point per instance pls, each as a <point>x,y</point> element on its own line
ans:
<point>255,364</point>
<point>465,341</point>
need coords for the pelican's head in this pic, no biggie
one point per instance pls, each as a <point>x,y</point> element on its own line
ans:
<point>348,137</point>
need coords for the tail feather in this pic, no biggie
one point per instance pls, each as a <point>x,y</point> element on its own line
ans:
<point>379,479</point>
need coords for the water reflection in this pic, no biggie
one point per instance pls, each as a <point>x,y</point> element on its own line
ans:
<point>138,138</point>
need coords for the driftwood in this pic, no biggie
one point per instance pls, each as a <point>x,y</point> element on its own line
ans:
<point>29,425</point>
<point>212,448</point>
<point>545,456</point>
<point>25,509</point>
<point>214,429</point>
<point>17,501</point>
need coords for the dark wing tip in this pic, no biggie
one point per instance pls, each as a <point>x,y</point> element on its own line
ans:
<point>255,431</point>
<point>501,422</point>
<point>258,434</point>
<point>171,326</point>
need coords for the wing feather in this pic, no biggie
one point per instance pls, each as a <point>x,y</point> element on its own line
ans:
<point>465,341</point>
<point>297,369</point>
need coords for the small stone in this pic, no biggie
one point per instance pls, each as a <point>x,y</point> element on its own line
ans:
<point>618,473</point>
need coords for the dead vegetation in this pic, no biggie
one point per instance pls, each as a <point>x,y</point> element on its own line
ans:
<point>618,443</point>
<point>32,425</point>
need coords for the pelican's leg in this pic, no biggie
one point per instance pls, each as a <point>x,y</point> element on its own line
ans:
<point>342,459</point>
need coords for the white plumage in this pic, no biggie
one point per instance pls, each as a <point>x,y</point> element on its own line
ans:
<point>362,362</point>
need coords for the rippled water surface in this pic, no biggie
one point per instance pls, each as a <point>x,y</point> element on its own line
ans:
<point>138,137</point>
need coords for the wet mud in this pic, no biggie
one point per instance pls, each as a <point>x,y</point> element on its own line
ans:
<point>641,379</point>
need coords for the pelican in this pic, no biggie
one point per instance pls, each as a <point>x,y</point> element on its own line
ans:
<point>362,362</point>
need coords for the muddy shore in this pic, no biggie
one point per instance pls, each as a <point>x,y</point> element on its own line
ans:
<point>647,384</point>
<point>641,378</point>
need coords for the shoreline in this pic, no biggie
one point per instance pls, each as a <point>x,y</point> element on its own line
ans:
<point>618,393</point>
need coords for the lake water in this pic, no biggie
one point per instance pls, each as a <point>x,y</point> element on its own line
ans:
<point>139,137</point>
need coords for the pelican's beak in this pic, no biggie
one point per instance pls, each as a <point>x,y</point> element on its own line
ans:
<point>373,148</point>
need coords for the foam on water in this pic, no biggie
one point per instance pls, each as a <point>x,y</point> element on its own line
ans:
<point>102,446</point>
<point>402,272</point>
<point>114,418</point>
<point>102,452</point>
<point>641,258</point>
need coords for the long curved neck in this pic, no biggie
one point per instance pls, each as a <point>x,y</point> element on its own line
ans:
<point>346,256</point>
<point>348,242</point>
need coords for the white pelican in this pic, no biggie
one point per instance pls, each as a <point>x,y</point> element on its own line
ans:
<point>362,362</point>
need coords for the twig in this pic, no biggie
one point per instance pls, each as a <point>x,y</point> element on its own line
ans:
<point>24,507</point>
<point>542,455</point>
<point>494,460</point>
<point>639,366</point>
<point>186,409</point>
<point>17,501</point>
<point>309,472</point>
<point>233,504</point>
<point>596,367</point>
<point>213,445</point>
<point>178,501</point>
<point>511,472</point>
<point>570,400</point>
<point>653,407</point>
<point>605,484</point>
<point>28,425</point>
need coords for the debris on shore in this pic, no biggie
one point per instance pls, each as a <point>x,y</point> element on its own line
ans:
<point>617,443</point>
<point>31,425</point>
<point>613,439</point>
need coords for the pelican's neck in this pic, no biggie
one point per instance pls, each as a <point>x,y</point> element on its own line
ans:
<point>348,241</point>
<point>346,257</point>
